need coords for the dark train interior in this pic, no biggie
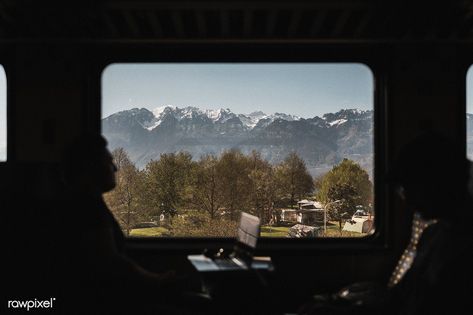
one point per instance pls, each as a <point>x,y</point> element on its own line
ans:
<point>54,55</point>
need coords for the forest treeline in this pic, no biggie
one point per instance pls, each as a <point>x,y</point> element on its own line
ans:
<point>205,197</point>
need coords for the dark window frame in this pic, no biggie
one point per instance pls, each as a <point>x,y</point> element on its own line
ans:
<point>372,56</point>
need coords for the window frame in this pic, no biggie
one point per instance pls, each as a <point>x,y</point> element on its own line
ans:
<point>467,66</point>
<point>372,56</point>
<point>8,114</point>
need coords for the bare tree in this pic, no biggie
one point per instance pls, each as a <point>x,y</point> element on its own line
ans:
<point>124,199</point>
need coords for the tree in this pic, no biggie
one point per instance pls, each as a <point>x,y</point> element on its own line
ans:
<point>167,182</point>
<point>343,200</point>
<point>207,187</point>
<point>120,158</point>
<point>124,200</point>
<point>196,225</point>
<point>263,187</point>
<point>343,188</point>
<point>293,178</point>
<point>232,169</point>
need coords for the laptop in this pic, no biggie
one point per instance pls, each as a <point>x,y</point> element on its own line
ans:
<point>242,255</point>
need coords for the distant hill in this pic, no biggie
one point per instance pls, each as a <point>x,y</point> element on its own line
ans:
<point>320,141</point>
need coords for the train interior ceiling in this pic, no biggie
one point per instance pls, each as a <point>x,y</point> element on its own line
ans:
<point>54,54</point>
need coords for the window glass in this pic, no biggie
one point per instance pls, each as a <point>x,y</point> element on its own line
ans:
<point>469,114</point>
<point>3,115</point>
<point>196,144</point>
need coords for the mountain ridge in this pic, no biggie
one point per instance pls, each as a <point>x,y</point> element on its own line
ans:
<point>320,141</point>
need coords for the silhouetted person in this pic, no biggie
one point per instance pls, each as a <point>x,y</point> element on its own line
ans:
<point>92,266</point>
<point>431,176</point>
<point>434,274</point>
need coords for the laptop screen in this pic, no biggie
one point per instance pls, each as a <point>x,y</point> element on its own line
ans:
<point>248,231</point>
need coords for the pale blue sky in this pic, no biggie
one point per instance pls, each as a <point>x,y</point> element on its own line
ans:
<point>303,89</point>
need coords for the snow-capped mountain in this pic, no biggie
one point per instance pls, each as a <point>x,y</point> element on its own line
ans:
<point>216,116</point>
<point>320,141</point>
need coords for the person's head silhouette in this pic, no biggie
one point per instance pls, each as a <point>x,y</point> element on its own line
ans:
<point>431,174</point>
<point>88,165</point>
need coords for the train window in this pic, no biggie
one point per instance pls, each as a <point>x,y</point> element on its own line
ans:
<point>3,115</point>
<point>196,144</point>
<point>469,114</point>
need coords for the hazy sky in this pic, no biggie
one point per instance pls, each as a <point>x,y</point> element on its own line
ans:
<point>301,89</point>
<point>3,115</point>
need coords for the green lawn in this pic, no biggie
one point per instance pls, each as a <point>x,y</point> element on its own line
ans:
<point>266,231</point>
<point>333,231</point>
<point>275,231</point>
<point>282,231</point>
<point>148,232</point>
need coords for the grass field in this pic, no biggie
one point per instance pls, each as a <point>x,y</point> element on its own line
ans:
<point>332,231</point>
<point>148,232</point>
<point>266,231</point>
<point>275,231</point>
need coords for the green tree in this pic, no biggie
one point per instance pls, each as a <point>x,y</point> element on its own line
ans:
<point>294,180</point>
<point>168,183</point>
<point>124,200</point>
<point>201,225</point>
<point>232,169</point>
<point>263,187</point>
<point>343,201</point>
<point>207,186</point>
<point>343,188</point>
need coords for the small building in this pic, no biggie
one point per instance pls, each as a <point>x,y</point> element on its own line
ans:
<point>307,204</point>
<point>312,217</point>
<point>309,213</point>
<point>288,215</point>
